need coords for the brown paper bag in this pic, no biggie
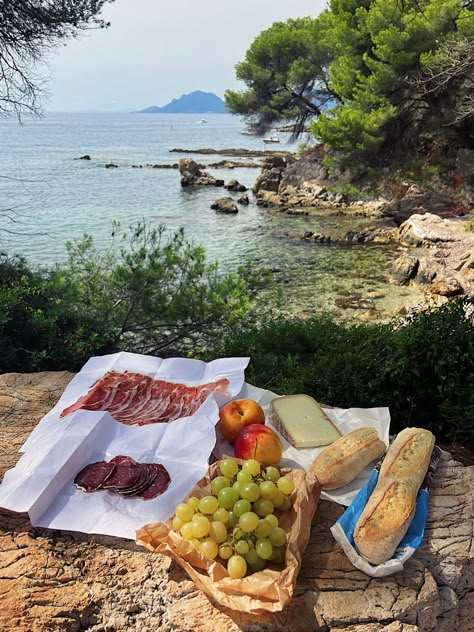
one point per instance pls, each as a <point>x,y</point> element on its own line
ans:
<point>265,591</point>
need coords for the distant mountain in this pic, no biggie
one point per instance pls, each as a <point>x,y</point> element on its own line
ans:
<point>193,103</point>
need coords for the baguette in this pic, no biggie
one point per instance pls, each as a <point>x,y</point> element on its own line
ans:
<point>340,463</point>
<point>391,507</point>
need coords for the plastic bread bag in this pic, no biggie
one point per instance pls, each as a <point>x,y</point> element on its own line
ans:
<point>268,590</point>
<point>343,530</point>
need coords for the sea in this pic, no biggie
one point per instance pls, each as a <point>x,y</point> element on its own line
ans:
<point>49,196</point>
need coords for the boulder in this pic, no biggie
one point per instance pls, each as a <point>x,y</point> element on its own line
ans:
<point>66,581</point>
<point>268,180</point>
<point>225,205</point>
<point>234,185</point>
<point>191,175</point>
<point>404,269</point>
<point>446,287</point>
<point>427,230</point>
<point>85,157</point>
<point>111,165</point>
<point>244,199</point>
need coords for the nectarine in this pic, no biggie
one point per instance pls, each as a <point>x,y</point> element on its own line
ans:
<point>258,442</point>
<point>236,415</point>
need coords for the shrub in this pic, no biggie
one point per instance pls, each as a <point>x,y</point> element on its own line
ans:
<point>147,293</point>
<point>423,370</point>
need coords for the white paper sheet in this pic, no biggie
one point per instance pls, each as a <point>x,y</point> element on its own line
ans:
<point>345,419</point>
<point>41,483</point>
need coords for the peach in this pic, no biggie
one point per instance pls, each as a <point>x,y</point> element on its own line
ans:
<point>259,442</point>
<point>236,415</point>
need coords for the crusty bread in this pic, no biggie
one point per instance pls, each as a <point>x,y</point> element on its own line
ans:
<point>343,460</point>
<point>391,507</point>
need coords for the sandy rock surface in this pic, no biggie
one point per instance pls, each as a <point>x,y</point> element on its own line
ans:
<point>63,581</point>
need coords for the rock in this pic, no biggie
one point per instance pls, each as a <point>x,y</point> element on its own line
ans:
<point>85,157</point>
<point>233,185</point>
<point>244,199</point>
<point>191,175</point>
<point>446,287</point>
<point>111,165</point>
<point>268,199</point>
<point>404,269</point>
<point>225,205</point>
<point>296,211</point>
<point>67,581</point>
<point>425,274</point>
<point>427,230</point>
<point>269,180</point>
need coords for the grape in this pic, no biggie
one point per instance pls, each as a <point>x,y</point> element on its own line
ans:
<point>263,507</point>
<point>277,500</point>
<point>263,529</point>
<point>195,542</point>
<point>268,489</point>
<point>228,497</point>
<point>271,474</point>
<point>286,504</point>
<point>208,548</point>
<point>279,554</point>
<point>252,557</point>
<point>226,551</point>
<point>241,506</point>
<point>237,486</point>
<point>219,483</point>
<point>250,492</point>
<point>285,485</point>
<point>233,519</point>
<point>222,515</point>
<point>272,519</point>
<point>259,565</point>
<point>194,502</point>
<point>244,477</point>
<point>248,522</point>
<point>184,512</point>
<point>208,505</point>
<point>236,567</point>
<point>218,532</point>
<point>237,533</point>
<point>177,523</point>
<point>229,468</point>
<point>187,531</point>
<point>242,547</point>
<point>200,526</point>
<point>264,548</point>
<point>252,466</point>
<point>277,536</point>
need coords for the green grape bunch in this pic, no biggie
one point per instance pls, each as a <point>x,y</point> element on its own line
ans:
<point>236,523</point>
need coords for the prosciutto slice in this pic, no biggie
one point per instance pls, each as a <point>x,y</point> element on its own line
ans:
<point>137,399</point>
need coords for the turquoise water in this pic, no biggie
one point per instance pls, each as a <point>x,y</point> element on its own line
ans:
<point>54,197</point>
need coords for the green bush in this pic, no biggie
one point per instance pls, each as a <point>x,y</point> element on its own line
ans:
<point>148,293</point>
<point>423,370</point>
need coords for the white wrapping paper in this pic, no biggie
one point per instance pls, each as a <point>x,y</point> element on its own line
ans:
<point>41,483</point>
<point>345,419</point>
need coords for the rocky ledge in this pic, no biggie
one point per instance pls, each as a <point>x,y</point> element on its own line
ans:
<point>66,582</point>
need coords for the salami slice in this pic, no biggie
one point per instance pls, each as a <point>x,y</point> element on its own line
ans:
<point>159,485</point>
<point>125,476</point>
<point>143,483</point>
<point>93,476</point>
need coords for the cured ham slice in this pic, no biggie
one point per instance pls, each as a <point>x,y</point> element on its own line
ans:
<point>137,399</point>
<point>125,476</point>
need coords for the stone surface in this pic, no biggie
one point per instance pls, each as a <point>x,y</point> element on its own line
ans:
<point>191,175</point>
<point>225,205</point>
<point>65,582</point>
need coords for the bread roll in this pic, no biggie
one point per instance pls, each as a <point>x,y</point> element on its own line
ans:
<point>343,460</point>
<point>391,507</point>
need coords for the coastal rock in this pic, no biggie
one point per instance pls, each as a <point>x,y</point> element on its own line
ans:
<point>268,180</point>
<point>404,269</point>
<point>191,175</point>
<point>427,230</point>
<point>244,199</point>
<point>225,205</point>
<point>111,165</point>
<point>446,287</point>
<point>234,185</point>
<point>85,157</point>
<point>268,199</point>
<point>67,581</point>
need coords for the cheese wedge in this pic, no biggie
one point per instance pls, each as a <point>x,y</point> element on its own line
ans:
<point>302,421</point>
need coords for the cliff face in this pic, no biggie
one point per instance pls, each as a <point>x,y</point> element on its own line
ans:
<point>66,581</point>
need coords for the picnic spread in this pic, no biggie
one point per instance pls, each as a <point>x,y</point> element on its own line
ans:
<point>130,442</point>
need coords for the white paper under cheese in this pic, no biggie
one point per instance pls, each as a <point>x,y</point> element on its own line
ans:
<point>301,420</point>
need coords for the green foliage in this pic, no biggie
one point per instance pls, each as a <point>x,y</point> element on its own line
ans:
<point>370,73</point>
<point>147,293</point>
<point>423,369</point>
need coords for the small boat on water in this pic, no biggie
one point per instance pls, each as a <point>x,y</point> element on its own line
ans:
<point>271,139</point>
<point>203,121</point>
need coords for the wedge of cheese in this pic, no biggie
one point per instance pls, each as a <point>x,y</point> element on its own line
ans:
<point>302,421</point>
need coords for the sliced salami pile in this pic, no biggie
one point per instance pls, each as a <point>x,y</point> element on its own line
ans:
<point>136,399</point>
<point>124,475</point>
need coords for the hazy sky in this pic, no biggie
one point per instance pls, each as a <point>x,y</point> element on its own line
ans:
<point>157,50</point>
